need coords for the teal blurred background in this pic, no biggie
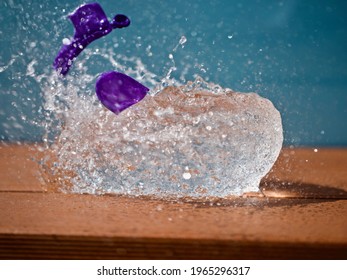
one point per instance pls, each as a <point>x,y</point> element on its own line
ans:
<point>292,52</point>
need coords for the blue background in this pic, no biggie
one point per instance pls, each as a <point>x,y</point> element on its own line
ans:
<point>292,52</point>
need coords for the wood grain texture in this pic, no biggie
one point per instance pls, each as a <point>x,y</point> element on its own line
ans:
<point>19,168</point>
<point>300,214</point>
<point>308,173</point>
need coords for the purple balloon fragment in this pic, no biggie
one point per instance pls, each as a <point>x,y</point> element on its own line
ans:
<point>90,23</point>
<point>117,91</point>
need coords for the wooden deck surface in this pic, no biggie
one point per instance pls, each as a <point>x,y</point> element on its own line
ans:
<point>300,213</point>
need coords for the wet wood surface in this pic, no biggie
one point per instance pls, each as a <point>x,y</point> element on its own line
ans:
<point>300,213</point>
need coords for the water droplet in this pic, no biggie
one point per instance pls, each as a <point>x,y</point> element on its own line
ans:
<point>183,40</point>
<point>187,175</point>
<point>66,41</point>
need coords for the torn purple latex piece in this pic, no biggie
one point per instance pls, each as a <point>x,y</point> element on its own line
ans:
<point>117,91</point>
<point>90,23</point>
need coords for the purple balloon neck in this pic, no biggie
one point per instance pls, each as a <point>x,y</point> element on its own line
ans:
<point>120,21</point>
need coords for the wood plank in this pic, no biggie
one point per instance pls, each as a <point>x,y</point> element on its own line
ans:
<point>256,218</point>
<point>287,222</point>
<point>274,226</point>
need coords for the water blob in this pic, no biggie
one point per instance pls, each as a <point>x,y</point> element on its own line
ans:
<point>194,140</point>
<point>117,91</point>
<point>90,23</point>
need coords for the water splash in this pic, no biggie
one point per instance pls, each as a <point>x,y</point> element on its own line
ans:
<point>196,139</point>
